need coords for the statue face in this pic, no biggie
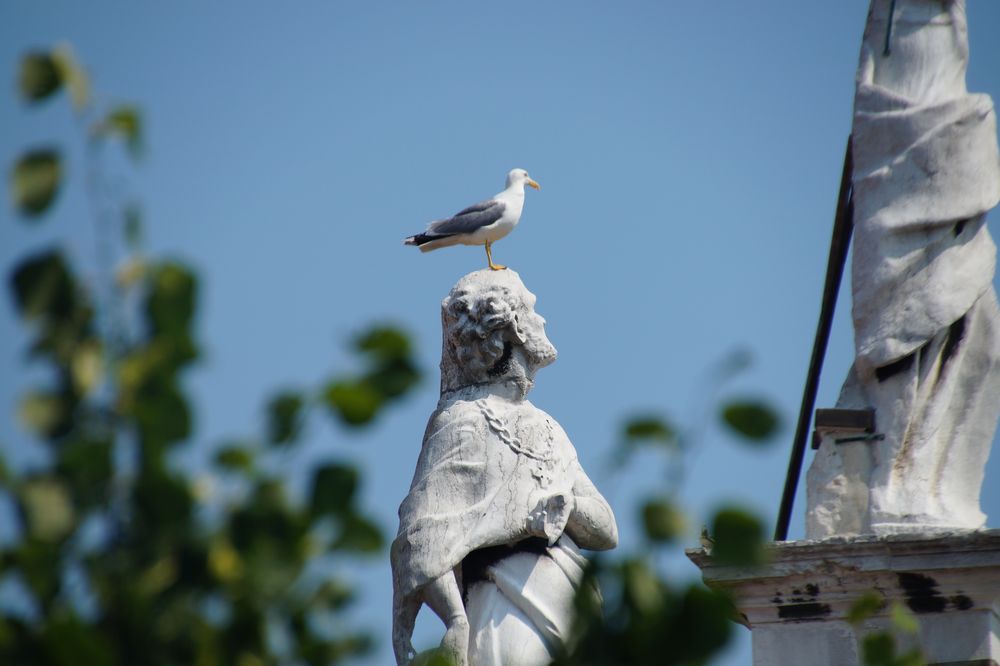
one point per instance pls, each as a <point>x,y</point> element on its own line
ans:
<point>538,350</point>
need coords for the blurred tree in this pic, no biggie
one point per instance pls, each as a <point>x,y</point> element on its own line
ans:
<point>121,558</point>
<point>646,619</point>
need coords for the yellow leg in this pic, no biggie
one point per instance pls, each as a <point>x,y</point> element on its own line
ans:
<point>489,259</point>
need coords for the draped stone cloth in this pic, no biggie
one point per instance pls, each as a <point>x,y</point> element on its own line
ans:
<point>926,171</point>
<point>484,466</point>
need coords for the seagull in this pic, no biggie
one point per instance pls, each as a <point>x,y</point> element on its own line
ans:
<point>483,223</point>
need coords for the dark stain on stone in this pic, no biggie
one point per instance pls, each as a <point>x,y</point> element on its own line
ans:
<point>777,600</point>
<point>922,595</point>
<point>812,589</point>
<point>797,592</point>
<point>810,611</point>
<point>961,602</point>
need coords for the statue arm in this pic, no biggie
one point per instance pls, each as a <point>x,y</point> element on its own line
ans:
<point>591,525</point>
<point>404,616</point>
<point>445,599</point>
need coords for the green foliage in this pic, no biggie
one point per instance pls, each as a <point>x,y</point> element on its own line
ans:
<point>40,76</point>
<point>646,620</point>
<point>284,417</point>
<point>333,488</point>
<point>43,288</point>
<point>865,607</point>
<point>739,538</point>
<point>881,648</point>
<point>35,181</point>
<point>166,584</point>
<point>390,373</point>
<point>125,122</point>
<point>753,420</point>
<point>663,520</point>
<point>649,430</point>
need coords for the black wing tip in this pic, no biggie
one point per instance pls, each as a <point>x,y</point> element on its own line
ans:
<point>421,239</point>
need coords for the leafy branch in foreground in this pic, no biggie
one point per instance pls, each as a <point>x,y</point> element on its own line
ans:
<point>122,557</point>
<point>647,619</point>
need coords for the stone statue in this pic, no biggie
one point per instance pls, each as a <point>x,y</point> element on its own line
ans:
<point>490,532</point>
<point>926,171</point>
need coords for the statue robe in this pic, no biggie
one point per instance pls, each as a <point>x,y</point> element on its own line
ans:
<point>926,171</point>
<point>484,468</point>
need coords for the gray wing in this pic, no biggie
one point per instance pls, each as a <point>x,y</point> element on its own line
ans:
<point>469,219</point>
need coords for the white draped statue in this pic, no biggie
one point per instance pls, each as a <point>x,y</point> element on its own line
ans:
<point>927,328</point>
<point>490,531</point>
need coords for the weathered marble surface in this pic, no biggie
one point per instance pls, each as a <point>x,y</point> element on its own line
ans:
<point>926,171</point>
<point>490,531</point>
<point>798,604</point>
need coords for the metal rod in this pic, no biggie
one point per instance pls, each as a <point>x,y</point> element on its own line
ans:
<point>843,226</point>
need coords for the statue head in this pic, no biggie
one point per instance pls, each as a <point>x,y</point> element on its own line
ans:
<point>491,332</point>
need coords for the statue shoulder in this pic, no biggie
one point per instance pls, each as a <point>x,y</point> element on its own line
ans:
<point>454,414</point>
<point>455,421</point>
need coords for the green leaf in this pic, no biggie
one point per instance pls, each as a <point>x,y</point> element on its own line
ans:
<point>47,507</point>
<point>87,466</point>
<point>903,620</point>
<point>650,429</point>
<point>72,75</point>
<point>40,76</point>
<point>333,489</point>
<point>642,588</point>
<point>163,504</point>
<point>739,538</point>
<point>87,366</point>
<point>751,419</point>
<point>235,457</point>
<point>386,342</point>
<point>354,402</point>
<point>433,657</point>
<point>878,649</point>
<point>170,306</point>
<point>283,417</point>
<point>45,414</point>
<point>43,286</point>
<point>865,607</point>
<point>333,594</point>
<point>703,624</point>
<point>161,412</point>
<point>394,377</point>
<point>68,642</point>
<point>125,122</point>
<point>360,535</point>
<point>663,520</point>
<point>35,181</point>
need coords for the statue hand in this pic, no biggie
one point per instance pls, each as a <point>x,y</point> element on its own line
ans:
<point>455,643</point>
<point>551,515</point>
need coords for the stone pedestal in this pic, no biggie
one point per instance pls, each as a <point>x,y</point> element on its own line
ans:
<point>797,604</point>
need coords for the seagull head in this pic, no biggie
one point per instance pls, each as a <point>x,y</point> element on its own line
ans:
<point>520,177</point>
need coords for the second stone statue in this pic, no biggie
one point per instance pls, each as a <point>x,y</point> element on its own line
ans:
<point>490,531</point>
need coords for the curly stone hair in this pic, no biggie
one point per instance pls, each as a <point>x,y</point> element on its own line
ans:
<point>479,326</point>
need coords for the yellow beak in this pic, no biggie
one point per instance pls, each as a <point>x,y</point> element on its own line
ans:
<point>533,184</point>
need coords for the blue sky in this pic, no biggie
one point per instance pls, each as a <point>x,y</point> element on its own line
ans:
<point>689,156</point>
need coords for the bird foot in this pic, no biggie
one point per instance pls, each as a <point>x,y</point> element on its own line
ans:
<point>497,267</point>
